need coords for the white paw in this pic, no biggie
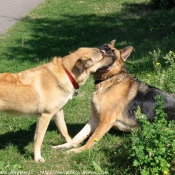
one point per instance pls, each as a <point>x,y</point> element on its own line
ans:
<point>63,146</point>
<point>73,151</point>
<point>39,159</point>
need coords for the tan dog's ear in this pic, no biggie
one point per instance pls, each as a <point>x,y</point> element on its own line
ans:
<point>126,52</point>
<point>88,63</point>
<point>112,43</point>
<point>81,64</point>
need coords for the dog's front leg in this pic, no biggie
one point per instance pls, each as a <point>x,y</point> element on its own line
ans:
<point>61,125</point>
<point>82,135</point>
<point>102,129</point>
<point>41,128</point>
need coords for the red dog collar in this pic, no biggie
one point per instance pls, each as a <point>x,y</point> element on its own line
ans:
<point>72,80</point>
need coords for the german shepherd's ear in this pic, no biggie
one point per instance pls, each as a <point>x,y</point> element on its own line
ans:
<point>82,64</point>
<point>112,43</point>
<point>126,52</point>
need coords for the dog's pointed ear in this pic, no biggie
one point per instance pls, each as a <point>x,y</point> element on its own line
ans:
<point>82,64</point>
<point>126,52</point>
<point>112,43</point>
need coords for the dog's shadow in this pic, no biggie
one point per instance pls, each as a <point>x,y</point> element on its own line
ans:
<point>24,137</point>
<point>19,139</point>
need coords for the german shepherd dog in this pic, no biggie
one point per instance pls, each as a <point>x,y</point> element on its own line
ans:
<point>115,100</point>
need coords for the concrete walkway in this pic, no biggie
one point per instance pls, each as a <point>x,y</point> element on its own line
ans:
<point>12,11</point>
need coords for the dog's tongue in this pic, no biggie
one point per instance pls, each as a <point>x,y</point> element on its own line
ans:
<point>103,51</point>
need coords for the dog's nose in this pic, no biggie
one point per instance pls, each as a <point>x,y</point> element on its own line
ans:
<point>107,48</point>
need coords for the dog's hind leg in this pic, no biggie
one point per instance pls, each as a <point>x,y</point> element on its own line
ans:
<point>61,125</point>
<point>41,128</point>
<point>82,135</point>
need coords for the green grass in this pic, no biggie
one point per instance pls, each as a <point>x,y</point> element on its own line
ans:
<point>57,27</point>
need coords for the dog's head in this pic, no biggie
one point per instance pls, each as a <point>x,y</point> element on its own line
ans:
<point>118,65</point>
<point>86,61</point>
<point>94,59</point>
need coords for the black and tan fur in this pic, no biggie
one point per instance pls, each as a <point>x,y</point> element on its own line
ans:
<point>116,98</point>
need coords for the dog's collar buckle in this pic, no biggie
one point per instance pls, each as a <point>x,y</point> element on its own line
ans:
<point>72,80</point>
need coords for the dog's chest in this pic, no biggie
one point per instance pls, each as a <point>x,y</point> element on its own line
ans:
<point>99,100</point>
<point>99,96</point>
<point>70,96</point>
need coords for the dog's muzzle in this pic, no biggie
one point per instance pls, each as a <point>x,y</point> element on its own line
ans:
<point>105,49</point>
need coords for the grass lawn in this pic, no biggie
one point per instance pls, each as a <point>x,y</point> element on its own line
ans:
<point>57,27</point>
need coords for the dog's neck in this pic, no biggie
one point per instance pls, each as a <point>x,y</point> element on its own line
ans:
<point>117,78</point>
<point>72,80</point>
<point>120,74</point>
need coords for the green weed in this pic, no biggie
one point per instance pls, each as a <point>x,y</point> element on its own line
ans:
<point>153,144</point>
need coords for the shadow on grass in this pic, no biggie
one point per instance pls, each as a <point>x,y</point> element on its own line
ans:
<point>119,158</point>
<point>23,137</point>
<point>137,24</point>
<point>20,138</point>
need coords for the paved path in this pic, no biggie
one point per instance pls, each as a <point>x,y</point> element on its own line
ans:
<point>12,11</point>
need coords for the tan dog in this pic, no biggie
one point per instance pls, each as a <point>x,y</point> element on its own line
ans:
<point>116,99</point>
<point>44,90</point>
<point>107,103</point>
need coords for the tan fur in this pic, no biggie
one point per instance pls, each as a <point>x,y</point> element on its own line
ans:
<point>109,103</point>
<point>44,90</point>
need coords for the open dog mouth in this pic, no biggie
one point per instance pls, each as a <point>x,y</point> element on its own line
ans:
<point>104,69</point>
<point>105,49</point>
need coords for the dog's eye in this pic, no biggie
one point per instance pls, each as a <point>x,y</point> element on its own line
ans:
<point>113,51</point>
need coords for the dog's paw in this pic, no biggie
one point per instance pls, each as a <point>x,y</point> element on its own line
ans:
<point>70,151</point>
<point>39,159</point>
<point>73,151</point>
<point>63,146</point>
